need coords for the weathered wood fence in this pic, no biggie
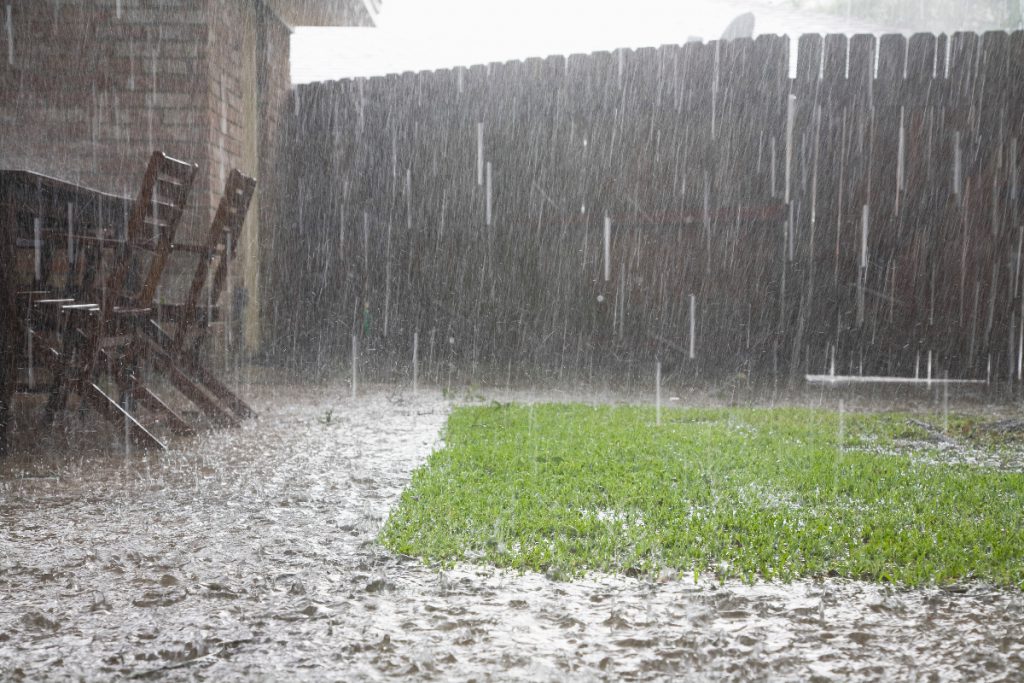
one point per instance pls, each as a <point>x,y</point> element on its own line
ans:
<point>692,203</point>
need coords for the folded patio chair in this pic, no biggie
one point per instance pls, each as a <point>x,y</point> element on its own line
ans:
<point>100,332</point>
<point>179,355</point>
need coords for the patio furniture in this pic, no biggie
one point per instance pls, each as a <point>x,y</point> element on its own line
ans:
<point>90,311</point>
<point>97,260</point>
<point>115,279</point>
<point>180,355</point>
<point>36,211</point>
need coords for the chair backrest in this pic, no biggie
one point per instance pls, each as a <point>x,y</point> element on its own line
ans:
<point>149,234</point>
<point>222,241</point>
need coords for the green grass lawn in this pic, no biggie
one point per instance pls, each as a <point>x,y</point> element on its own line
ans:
<point>767,493</point>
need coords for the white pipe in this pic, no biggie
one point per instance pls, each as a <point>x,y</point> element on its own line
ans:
<point>882,379</point>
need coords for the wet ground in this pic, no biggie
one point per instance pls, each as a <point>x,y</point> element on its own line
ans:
<point>251,555</point>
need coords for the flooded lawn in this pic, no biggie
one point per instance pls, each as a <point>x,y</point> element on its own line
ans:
<point>253,554</point>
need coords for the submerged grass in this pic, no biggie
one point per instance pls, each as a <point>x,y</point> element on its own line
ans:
<point>768,493</point>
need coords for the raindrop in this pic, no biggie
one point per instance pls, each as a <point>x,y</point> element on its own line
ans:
<point>714,90</point>
<point>814,173</point>
<point>842,424</point>
<point>341,232</point>
<point>394,155</point>
<point>9,23</point>
<point>355,363</point>
<point>37,243</point>
<point>865,211</point>
<point>607,249</point>
<point>790,119</point>
<point>489,193</point>
<point>693,326</point>
<point>1020,348</point>
<point>901,157</point>
<point>131,64</point>
<point>71,233</point>
<point>28,353</point>
<point>362,105</point>
<point>791,232</point>
<point>408,198</point>
<point>126,406</point>
<point>945,404</point>
<point>415,360</point>
<point>387,280</point>
<point>957,164</point>
<point>1014,177</point>
<point>209,294</point>
<point>229,298</point>
<point>657,393</point>
<point>479,153</point>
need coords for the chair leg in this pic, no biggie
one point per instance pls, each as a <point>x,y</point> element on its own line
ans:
<point>175,422</point>
<point>133,390</point>
<point>59,363</point>
<point>239,407</point>
<point>192,391</point>
<point>114,413</point>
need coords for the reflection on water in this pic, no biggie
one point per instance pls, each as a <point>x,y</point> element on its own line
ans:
<point>252,554</point>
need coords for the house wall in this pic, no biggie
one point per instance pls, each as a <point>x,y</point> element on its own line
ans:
<point>248,86</point>
<point>88,88</point>
<point>271,203</point>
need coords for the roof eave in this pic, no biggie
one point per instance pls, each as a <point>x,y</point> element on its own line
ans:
<point>326,12</point>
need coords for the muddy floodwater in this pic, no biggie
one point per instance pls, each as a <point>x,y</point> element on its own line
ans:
<point>252,554</point>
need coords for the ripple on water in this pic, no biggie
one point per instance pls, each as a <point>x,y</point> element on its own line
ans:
<point>251,553</point>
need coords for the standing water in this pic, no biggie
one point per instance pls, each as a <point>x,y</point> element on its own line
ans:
<point>252,553</point>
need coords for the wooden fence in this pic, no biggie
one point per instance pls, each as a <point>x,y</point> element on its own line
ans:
<point>698,204</point>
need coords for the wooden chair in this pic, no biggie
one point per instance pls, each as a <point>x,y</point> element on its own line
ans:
<point>113,324</point>
<point>100,331</point>
<point>179,355</point>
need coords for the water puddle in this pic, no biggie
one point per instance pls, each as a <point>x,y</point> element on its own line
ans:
<point>252,553</point>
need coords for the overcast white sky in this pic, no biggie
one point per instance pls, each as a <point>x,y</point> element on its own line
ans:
<point>416,35</point>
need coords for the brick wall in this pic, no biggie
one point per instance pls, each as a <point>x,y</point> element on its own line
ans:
<point>274,100</point>
<point>88,88</point>
<point>225,126</point>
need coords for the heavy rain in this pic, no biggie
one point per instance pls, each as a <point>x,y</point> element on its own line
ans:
<point>355,340</point>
